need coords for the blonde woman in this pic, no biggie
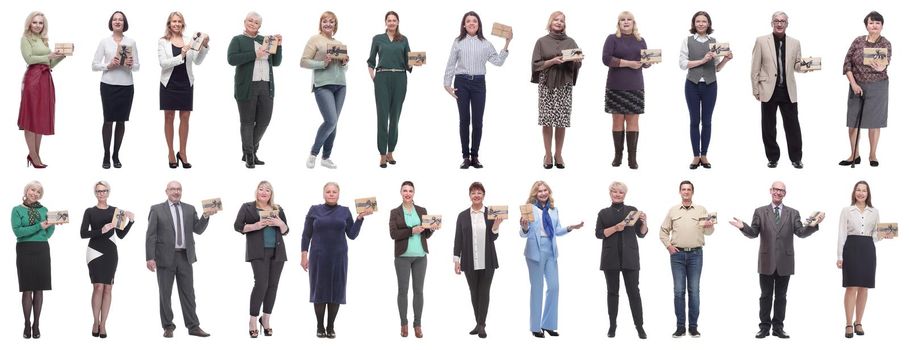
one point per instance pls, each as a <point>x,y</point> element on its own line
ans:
<point>625,86</point>
<point>329,86</point>
<point>542,255</point>
<point>264,225</point>
<point>98,228</point>
<point>176,56</point>
<point>36,110</point>
<point>29,221</point>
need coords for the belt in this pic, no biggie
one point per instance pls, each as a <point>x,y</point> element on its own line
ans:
<point>180,250</point>
<point>689,249</point>
<point>470,77</point>
<point>380,70</point>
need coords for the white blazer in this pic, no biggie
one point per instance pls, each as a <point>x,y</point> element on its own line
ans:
<point>168,61</point>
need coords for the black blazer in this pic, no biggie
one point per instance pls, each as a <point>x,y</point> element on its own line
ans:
<point>401,233</point>
<point>255,240</point>
<point>609,256</point>
<point>463,241</point>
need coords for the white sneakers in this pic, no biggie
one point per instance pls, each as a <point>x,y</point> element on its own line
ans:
<point>311,163</point>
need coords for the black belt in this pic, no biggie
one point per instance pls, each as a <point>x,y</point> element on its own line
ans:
<point>689,249</point>
<point>470,77</point>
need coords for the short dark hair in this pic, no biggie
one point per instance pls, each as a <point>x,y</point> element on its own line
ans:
<point>686,182</point>
<point>407,183</point>
<point>874,16</point>
<point>110,22</point>
<point>694,30</point>
<point>476,186</point>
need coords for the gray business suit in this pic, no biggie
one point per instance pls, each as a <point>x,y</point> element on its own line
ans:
<point>160,246</point>
<point>776,259</point>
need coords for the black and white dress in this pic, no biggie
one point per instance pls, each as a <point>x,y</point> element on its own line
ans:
<point>101,254</point>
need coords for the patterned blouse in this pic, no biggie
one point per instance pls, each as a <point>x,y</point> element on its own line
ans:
<point>854,58</point>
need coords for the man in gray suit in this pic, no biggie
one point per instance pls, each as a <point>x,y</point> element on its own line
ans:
<point>775,224</point>
<point>170,251</point>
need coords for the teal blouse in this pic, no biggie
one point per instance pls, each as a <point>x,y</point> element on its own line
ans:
<point>30,233</point>
<point>414,243</point>
<point>392,54</point>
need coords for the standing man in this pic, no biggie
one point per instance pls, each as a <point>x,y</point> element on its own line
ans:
<point>775,224</point>
<point>774,61</point>
<point>170,250</point>
<point>682,232</point>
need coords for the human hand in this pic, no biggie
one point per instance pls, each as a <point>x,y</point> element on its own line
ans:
<point>577,226</point>
<point>525,225</point>
<point>620,226</point>
<point>129,62</point>
<point>878,66</point>
<point>184,50</point>
<point>262,52</point>
<point>416,230</point>
<point>151,265</point>
<point>452,91</point>
<point>457,268</point>
<point>633,64</point>
<point>737,223</point>
<point>856,89</point>
<point>279,38</point>
<point>672,249</point>
<point>366,212</point>
<point>304,261</point>
<point>839,264</point>
<point>107,227</point>
<point>45,224</point>
<point>114,63</point>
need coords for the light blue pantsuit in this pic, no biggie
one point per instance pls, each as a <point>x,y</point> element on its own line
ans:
<point>542,265</point>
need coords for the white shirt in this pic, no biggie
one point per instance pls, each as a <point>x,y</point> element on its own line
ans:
<point>478,229</point>
<point>260,66</point>
<point>683,53</point>
<point>107,50</point>
<point>168,61</point>
<point>856,222</point>
<point>469,56</point>
<point>178,216</point>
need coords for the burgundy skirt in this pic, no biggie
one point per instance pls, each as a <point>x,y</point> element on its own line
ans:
<point>36,111</point>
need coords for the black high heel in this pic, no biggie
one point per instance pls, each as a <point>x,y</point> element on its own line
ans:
<point>267,331</point>
<point>858,331</point>
<point>116,160</point>
<point>96,331</point>
<point>36,333</point>
<point>181,160</point>
<point>27,333</point>
<point>547,165</point>
<point>552,333</point>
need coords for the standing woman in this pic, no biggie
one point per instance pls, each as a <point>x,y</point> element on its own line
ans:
<point>869,89</point>
<point>542,255</point>
<point>856,255</point>
<point>102,255</point>
<point>176,91</point>
<point>117,57</point>
<point>329,86</point>
<point>254,84</point>
<point>265,252</point>
<point>620,255</point>
<point>700,84</point>
<point>33,264</point>
<point>556,78</point>
<point>405,227</point>
<point>36,110</point>
<point>466,67</point>
<point>475,253</point>
<point>391,86</point>
<point>324,255</point>
<point>625,86</point>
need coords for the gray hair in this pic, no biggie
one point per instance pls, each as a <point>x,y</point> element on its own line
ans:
<point>619,186</point>
<point>254,15</point>
<point>36,185</point>
<point>779,13</point>
<point>101,183</point>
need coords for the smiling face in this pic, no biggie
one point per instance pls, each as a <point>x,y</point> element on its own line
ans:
<point>251,25</point>
<point>860,194</point>
<point>777,192</point>
<point>617,195</point>
<point>779,23</point>
<point>117,22</point>
<point>476,198</point>
<point>330,193</point>
<point>33,194</point>
<point>471,24</point>
<point>391,23</point>
<point>557,24</point>
<point>174,191</point>
<point>263,193</point>
<point>175,25</point>
<point>37,25</point>
<point>407,194</point>
<point>327,26</point>
<point>701,23</point>
<point>101,193</point>
<point>542,193</point>
<point>686,191</point>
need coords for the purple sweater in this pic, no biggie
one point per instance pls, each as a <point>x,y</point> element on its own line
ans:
<point>627,48</point>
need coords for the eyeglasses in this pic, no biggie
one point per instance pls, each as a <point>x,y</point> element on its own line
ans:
<point>780,190</point>
<point>780,21</point>
<point>101,191</point>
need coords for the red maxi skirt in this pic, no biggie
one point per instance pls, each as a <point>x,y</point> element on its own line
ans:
<point>36,111</point>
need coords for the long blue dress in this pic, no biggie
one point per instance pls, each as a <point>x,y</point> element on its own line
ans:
<point>323,238</point>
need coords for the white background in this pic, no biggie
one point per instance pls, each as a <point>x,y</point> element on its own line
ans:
<point>428,153</point>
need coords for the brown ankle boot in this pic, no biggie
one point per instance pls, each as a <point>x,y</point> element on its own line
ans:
<point>618,141</point>
<point>632,139</point>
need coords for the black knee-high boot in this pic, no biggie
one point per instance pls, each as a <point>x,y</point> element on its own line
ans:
<point>618,141</point>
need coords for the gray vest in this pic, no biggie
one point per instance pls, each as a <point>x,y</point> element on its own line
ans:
<point>696,51</point>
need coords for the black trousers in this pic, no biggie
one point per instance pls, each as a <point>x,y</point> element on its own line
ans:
<point>255,115</point>
<point>479,282</point>
<point>267,274</point>
<point>182,271</point>
<point>773,285</point>
<point>790,112</point>
<point>631,288</point>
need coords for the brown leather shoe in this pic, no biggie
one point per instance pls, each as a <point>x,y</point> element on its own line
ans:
<point>418,331</point>
<point>168,332</point>
<point>404,331</point>
<point>198,332</point>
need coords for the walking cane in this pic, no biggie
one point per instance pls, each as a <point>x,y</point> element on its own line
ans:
<point>858,132</point>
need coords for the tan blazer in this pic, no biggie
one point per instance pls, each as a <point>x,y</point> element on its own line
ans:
<point>763,67</point>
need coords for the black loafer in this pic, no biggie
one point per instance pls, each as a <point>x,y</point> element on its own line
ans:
<point>476,163</point>
<point>466,163</point>
<point>780,333</point>
<point>874,163</point>
<point>763,333</point>
<point>798,164</point>
<point>771,164</point>
<point>538,334</point>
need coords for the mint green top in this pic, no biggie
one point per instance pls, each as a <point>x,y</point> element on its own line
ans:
<point>322,74</point>
<point>34,51</point>
<point>414,244</point>
<point>30,233</point>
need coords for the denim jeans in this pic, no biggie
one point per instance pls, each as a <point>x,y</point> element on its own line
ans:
<point>701,98</point>
<point>686,272</point>
<point>330,99</point>
<point>471,92</point>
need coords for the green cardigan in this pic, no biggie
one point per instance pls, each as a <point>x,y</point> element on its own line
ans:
<point>30,233</point>
<point>242,53</point>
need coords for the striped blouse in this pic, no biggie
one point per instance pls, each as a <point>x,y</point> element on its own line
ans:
<point>469,56</point>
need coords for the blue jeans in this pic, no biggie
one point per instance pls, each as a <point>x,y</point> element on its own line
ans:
<point>471,92</point>
<point>701,98</point>
<point>330,99</point>
<point>686,269</point>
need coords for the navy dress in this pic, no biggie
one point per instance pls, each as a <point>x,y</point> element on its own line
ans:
<point>324,238</point>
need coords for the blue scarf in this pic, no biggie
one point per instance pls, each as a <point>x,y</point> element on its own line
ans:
<point>547,220</point>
